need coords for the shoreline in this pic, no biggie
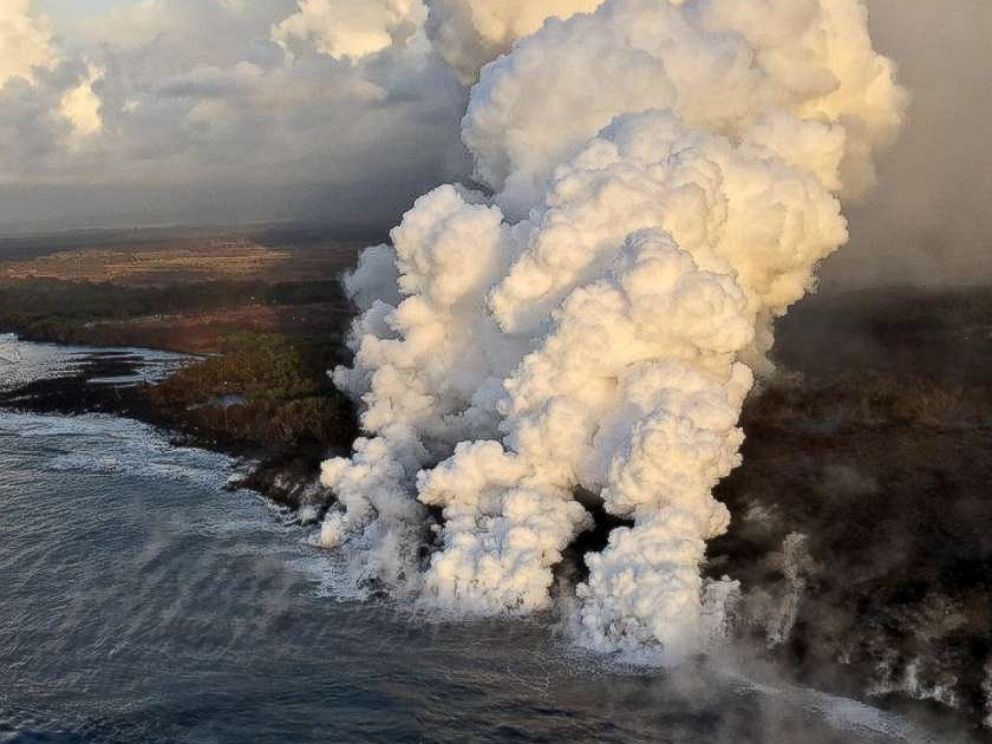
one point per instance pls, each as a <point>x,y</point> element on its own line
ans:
<point>288,476</point>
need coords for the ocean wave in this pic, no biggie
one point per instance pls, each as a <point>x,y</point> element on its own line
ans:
<point>96,443</point>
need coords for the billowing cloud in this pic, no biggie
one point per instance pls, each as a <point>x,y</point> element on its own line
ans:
<point>48,105</point>
<point>80,106</point>
<point>25,40</point>
<point>470,33</point>
<point>351,29</point>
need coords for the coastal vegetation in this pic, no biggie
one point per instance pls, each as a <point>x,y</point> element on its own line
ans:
<point>265,390</point>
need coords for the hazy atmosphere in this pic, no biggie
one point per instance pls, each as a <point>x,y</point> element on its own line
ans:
<point>229,111</point>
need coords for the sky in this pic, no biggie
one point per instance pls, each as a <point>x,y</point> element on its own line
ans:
<point>928,221</point>
<point>72,11</point>
<point>219,111</point>
<point>152,112</point>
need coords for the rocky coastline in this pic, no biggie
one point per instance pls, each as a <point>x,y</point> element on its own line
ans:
<point>103,382</point>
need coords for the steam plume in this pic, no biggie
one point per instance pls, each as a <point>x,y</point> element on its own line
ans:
<point>666,176</point>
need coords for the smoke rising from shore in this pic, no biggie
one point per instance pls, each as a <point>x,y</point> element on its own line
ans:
<point>666,176</point>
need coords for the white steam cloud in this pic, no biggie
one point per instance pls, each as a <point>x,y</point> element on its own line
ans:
<point>666,177</point>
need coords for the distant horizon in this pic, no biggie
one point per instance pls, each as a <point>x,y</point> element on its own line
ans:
<point>31,232</point>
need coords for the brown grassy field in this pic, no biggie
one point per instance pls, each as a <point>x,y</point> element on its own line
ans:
<point>179,290</point>
<point>204,260</point>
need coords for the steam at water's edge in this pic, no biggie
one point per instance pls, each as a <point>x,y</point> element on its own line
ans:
<point>667,176</point>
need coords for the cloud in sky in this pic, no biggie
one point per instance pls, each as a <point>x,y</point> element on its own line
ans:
<point>25,41</point>
<point>274,98</point>
<point>469,33</point>
<point>351,29</point>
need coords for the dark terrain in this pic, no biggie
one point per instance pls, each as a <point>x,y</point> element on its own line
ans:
<point>862,531</point>
<point>862,527</point>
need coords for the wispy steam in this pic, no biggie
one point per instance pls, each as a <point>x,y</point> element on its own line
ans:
<point>666,177</point>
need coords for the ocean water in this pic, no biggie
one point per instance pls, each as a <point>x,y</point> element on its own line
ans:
<point>139,602</point>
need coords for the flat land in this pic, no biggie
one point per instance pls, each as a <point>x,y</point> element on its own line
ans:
<point>203,260</point>
<point>182,290</point>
